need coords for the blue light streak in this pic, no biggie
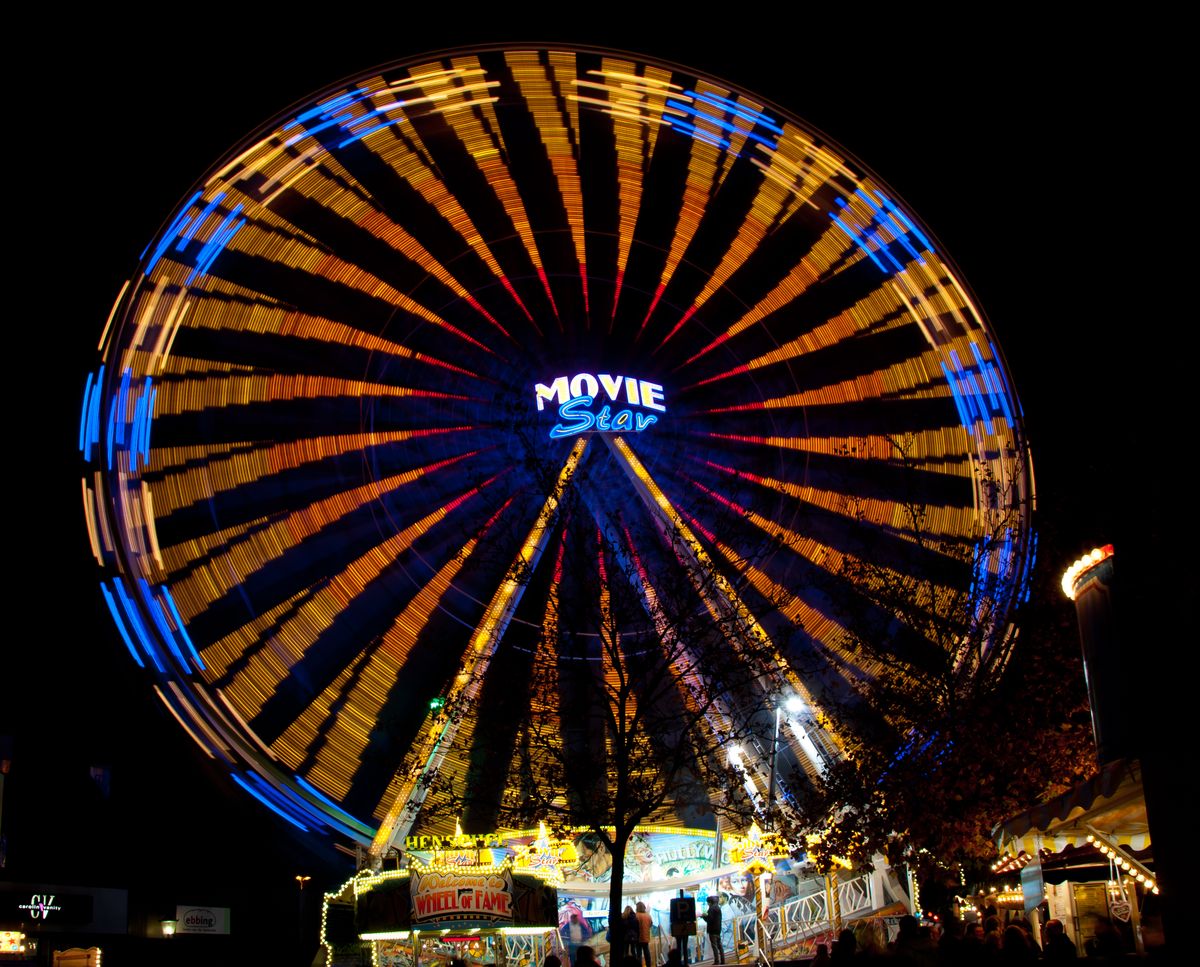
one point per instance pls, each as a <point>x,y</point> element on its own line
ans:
<point>724,125</point>
<point>333,104</point>
<point>1030,564</point>
<point>140,444</point>
<point>120,623</point>
<point>112,419</point>
<point>372,130</point>
<point>904,218</point>
<point>986,370</point>
<point>857,241</point>
<point>94,419</point>
<point>970,400</point>
<point>149,420</point>
<point>216,244</point>
<point>93,416</point>
<point>996,373</point>
<point>186,237</point>
<point>160,619</point>
<point>165,240</point>
<point>1006,553</point>
<point>969,389</point>
<point>337,121</point>
<point>874,236</point>
<point>84,412</point>
<point>123,404</point>
<point>313,790</point>
<point>958,403</point>
<point>187,639</point>
<point>892,225</point>
<point>734,108</point>
<point>269,805</point>
<point>975,388</point>
<point>136,620</point>
<point>289,802</point>
<point>135,437</point>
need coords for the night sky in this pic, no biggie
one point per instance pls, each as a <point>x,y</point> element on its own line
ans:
<point>1027,151</point>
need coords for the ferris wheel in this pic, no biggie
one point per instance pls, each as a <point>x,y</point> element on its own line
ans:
<point>522,306</point>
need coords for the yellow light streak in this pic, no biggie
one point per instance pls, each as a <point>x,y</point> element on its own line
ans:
<point>89,513</point>
<point>343,738</point>
<point>111,314</point>
<point>243,558</point>
<point>229,466</point>
<point>263,669</point>
<point>720,584</point>
<point>406,791</point>
<point>557,132</point>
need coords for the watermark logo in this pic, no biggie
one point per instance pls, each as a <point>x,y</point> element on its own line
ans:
<point>40,906</point>
<point>579,396</point>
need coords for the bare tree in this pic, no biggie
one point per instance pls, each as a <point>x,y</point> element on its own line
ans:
<point>651,687</point>
<point>933,737</point>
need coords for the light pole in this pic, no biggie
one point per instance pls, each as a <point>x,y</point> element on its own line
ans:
<point>792,704</point>
<point>300,881</point>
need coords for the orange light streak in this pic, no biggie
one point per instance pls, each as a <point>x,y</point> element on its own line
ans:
<point>228,466</point>
<point>262,670</point>
<point>407,790</point>
<point>557,120</point>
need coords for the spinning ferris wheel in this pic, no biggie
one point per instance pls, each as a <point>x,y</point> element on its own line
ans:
<point>373,356</point>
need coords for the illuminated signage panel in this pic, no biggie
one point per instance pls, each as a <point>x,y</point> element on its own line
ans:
<point>469,900</point>
<point>601,402</point>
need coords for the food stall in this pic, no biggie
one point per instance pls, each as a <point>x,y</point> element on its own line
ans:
<point>1085,858</point>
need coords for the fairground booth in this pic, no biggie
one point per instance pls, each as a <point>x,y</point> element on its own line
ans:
<point>1086,857</point>
<point>514,897</point>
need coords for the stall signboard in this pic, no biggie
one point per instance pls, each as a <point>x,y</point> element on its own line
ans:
<point>432,900</point>
<point>1033,890</point>
<point>471,849</point>
<point>480,899</point>
<point>210,920</point>
<point>459,841</point>
<point>1091,907</point>
<point>649,856</point>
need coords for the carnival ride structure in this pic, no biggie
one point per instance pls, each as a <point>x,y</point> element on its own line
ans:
<point>434,333</point>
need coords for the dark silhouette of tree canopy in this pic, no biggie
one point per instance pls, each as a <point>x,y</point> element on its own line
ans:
<point>650,683</point>
<point>948,728</point>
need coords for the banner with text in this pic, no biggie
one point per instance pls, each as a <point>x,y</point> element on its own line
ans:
<point>462,899</point>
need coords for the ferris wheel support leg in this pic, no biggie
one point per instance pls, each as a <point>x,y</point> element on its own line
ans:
<point>718,593</point>
<point>441,727</point>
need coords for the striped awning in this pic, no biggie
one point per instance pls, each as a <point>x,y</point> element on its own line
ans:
<point>1111,802</point>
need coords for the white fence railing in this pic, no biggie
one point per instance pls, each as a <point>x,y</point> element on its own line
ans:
<point>795,921</point>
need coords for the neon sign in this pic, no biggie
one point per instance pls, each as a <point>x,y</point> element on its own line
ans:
<point>460,841</point>
<point>577,395</point>
<point>40,906</point>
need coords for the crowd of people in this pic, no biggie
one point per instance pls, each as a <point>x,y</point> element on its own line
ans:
<point>956,942</point>
<point>950,942</point>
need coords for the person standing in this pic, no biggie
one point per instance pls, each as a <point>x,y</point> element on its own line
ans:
<point>643,934</point>
<point>712,918</point>
<point>575,933</point>
<point>630,928</point>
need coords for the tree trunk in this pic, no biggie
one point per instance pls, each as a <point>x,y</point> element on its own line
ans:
<point>616,891</point>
